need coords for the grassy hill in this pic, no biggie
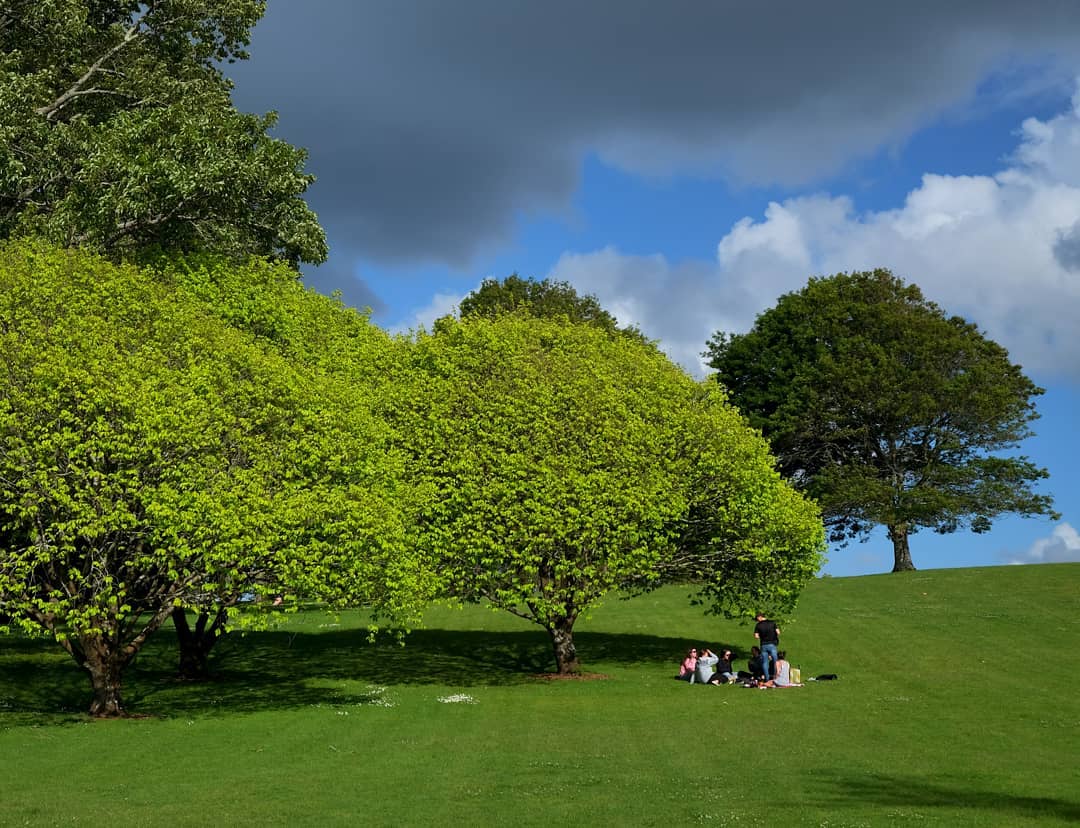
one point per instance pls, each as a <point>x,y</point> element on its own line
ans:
<point>958,703</point>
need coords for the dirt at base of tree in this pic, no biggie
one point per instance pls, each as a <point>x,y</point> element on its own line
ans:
<point>570,676</point>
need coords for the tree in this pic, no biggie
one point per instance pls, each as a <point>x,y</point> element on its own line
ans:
<point>545,299</point>
<point>884,409</point>
<point>152,455</point>
<point>117,132</point>
<point>319,334</point>
<point>562,461</point>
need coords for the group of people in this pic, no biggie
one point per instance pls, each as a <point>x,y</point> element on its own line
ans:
<point>768,665</point>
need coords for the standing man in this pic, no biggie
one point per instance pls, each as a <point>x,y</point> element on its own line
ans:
<point>768,634</point>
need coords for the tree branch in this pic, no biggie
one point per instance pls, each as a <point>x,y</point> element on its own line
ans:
<point>50,111</point>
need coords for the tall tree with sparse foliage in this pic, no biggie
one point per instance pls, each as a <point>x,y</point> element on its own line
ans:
<point>117,132</point>
<point>886,410</point>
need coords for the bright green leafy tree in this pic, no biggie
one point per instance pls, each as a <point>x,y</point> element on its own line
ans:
<point>314,333</point>
<point>884,409</point>
<point>152,454</point>
<point>560,461</point>
<point>117,132</point>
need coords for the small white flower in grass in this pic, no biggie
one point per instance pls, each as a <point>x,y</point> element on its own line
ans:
<point>457,698</point>
<point>376,697</point>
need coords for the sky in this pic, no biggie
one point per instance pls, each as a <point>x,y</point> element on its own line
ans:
<point>690,162</point>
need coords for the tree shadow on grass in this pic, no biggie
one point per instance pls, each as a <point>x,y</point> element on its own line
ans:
<point>917,793</point>
<point>280,669</point>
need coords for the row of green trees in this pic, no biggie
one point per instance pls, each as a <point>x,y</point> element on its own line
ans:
<point>176,435</point>
<point>180,433</point>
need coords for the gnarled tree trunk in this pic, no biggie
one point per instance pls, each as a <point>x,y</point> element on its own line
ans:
<point>195,645</point>
<point>105,666</point>
<point>898,534</point>
<point>561,631</point>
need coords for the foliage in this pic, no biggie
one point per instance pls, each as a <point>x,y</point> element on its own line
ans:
<point>117,132</point>
<point>352,495</point>
<point>560,462</point>
<point>884,409</point>
<point>152,455</point>
<point>545,299</point>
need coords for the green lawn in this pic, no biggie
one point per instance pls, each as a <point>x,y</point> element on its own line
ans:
<point>958,704</point>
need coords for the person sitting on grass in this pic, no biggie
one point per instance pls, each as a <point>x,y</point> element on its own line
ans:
<point>724,673</point>
<point>754,665</point>
<point>783,673</point>
<point>706,665</point>
<point>688,666</point>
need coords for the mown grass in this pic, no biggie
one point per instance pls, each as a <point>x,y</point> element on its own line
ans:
<point>958,704</point>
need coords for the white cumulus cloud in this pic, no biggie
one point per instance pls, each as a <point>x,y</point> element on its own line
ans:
<point>1002,250</point>
<point>1063,545</point>
<point>440,305</point>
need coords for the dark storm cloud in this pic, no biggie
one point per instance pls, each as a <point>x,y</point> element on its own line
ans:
<point>337,274</point>
<point>433,125</point>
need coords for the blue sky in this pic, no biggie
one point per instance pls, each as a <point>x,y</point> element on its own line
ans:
<point>688,162</point>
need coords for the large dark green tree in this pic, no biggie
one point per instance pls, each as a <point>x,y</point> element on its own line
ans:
<point>117,131</point>
<point>545,298</point>
<point>561,461</point>
<point>885,409</point>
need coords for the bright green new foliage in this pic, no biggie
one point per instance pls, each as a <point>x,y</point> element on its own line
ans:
<point>152,455</point>
<point>562,461</point>
<point>117,132</point>
<point>884,409</point>
<point>353,485</point>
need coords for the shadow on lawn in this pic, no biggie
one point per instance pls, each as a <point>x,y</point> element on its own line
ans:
<point>917,793</point>
<point>281,669</point>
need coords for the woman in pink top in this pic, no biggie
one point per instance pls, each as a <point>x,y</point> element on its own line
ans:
<point>688,666</point>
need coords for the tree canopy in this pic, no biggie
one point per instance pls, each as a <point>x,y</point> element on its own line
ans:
<point>152,454</point>
<point>117,132</point>
<point>560,463</point>
<point>545,298</point>
<point>884,409</point>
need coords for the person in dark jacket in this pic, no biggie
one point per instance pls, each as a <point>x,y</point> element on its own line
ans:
<point>725,673</point>
<point>754,667</point>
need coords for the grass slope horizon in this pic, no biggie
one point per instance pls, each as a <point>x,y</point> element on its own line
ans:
<point>957,704</point>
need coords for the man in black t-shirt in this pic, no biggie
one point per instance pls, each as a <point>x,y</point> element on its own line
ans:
<point>768,634</point>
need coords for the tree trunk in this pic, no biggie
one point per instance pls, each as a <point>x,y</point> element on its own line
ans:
<point>195,645</point>
<point>898,534</point>
<point>562,642</point>
<point>105,667</point>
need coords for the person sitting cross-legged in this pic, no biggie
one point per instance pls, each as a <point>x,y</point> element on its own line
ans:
<point>783,673</point>
<point>725,673</point>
